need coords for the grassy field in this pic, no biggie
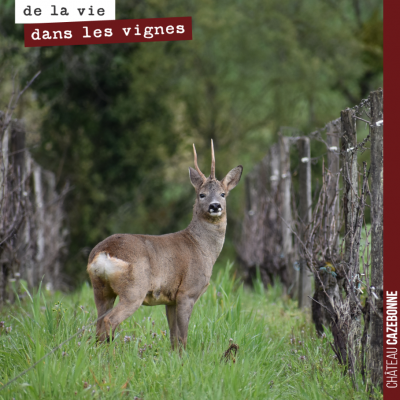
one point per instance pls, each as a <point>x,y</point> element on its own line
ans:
<point>279,355</point>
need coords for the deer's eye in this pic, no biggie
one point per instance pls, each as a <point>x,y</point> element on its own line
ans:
<point>223,194</point>
<point>202,195</point>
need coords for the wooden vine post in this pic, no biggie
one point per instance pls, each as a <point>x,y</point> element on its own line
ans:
<point>332,220</point>
<point>286,211</point>
<point>351,256</point>
<point>305,276</point>
<point>375,358</point>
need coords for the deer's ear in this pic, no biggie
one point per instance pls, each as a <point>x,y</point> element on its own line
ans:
<point>195,178</point>
<point>232,178</point>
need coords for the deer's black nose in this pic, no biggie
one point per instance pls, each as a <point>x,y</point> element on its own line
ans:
<point>214,207</point>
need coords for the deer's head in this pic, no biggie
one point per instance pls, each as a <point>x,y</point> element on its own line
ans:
<point>211,193</point>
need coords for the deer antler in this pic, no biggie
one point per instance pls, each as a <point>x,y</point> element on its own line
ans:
<point>212,175</point>
<point>195,164</point>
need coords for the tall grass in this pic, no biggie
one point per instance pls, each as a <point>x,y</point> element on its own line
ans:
<point>279,356</point>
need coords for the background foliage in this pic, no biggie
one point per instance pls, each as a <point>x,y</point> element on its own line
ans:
<point>117,121</point>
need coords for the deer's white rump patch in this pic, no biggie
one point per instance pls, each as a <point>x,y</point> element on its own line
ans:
<point>104,266</point>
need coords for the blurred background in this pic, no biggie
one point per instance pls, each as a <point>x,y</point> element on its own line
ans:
<point>117,121</point>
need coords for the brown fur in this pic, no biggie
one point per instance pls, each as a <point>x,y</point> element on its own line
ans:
<point>173,269</point>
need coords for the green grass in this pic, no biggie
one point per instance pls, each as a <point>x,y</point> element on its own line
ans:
<point>262,323</point>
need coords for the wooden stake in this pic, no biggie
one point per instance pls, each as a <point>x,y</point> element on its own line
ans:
<point>351,256</point>
<point>375,358</point>
<point>331,222</point>
<point>305,276</point>
<point>286,211</point>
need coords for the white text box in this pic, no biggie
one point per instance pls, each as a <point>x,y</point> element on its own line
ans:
<point>45,11</point>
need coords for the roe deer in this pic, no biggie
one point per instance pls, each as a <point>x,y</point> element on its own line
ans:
<point>172,269</point>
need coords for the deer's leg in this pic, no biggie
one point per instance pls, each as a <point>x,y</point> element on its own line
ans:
<point>129,302</point>
<point>184,310</point>
<point>104,298</point>
<point>102,307</point>
<point>173,325</point>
